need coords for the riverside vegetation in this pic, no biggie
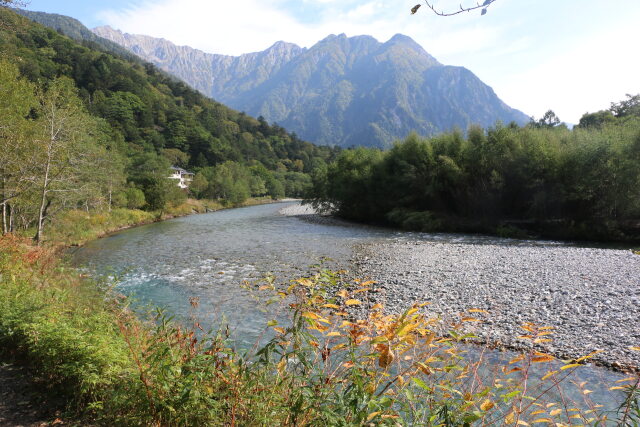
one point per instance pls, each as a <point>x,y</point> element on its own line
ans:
<point>81,128</point>
<point>322,367</point>
<point>87,138</point>
<point>542,179</point>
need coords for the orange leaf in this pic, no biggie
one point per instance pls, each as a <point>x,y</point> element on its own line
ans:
<point>386,357</point>
<point>516,359</point>
<point>509,419</point>
<point>541,357</point>
<point>310,315</point>
<point>373,415</point>
<point>343,293</point>
<point>486,405</point>
<point>353,302</point>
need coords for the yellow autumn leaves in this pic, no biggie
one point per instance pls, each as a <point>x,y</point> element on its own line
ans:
<point>419,357</point>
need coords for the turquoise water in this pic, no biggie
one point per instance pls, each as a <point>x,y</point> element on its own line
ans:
<point>208,256</point>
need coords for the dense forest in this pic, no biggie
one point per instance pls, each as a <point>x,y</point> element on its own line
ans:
<point>540,179</point>
<point>84,128</point>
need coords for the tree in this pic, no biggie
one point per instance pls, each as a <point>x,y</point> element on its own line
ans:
<point>597,119</point>
<point>132,198</point>
<point>150,173</point>
<point>199,184</point>
<point>549,120</point>
<point>176,157</point>
<point>62,125</point>
<point>17,168</point>
<point>627,107</point>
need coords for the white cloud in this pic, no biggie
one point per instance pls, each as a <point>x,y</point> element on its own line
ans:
<point>214,26</point>
<point>233,28</point>
<point>506,48</point>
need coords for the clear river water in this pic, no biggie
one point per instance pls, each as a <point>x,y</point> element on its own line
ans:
<point>207,256</point>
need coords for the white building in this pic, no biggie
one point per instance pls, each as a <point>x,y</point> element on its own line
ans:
<point>183,177</point>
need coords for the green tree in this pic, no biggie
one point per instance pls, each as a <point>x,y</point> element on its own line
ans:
<point>548,120</point>
<point>598,119</point>
<point>199,184</point>
<point>150,173</point>
<point>176,157</point>
<point>231,182</point>
<point>62,125</point>
<point>17,166</point>
<point>132,198</point>
<point>628,107</point>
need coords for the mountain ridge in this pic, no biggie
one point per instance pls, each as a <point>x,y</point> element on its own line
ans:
<point>341,91</point>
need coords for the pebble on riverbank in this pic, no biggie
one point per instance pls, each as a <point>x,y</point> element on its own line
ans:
<point>591,296</point>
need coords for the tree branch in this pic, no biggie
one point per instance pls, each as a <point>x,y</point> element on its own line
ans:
<point>482,6</point>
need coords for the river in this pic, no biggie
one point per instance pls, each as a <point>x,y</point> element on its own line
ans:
<point>207,256</point>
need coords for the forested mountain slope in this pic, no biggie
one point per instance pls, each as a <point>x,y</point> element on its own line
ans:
<point>134,120</point>
<point>343,90</point>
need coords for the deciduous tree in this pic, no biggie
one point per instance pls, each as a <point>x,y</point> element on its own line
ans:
<point>17,168</point>
<point>62,128</point>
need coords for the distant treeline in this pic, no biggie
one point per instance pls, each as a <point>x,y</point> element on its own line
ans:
<point>541,179</point>
<point>82,127</point>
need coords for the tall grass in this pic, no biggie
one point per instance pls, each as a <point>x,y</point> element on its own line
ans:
<point>325,366</point>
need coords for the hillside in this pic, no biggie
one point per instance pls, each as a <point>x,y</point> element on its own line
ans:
<point>146,108</point>
<point>342,91</point>
<point>83,128</point>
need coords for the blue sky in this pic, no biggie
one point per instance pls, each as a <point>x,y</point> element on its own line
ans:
<point>572,56</point>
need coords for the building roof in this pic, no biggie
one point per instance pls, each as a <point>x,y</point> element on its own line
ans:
<point>182,171</point>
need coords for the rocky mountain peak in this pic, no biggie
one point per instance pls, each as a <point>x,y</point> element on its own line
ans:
<point>341,91</point>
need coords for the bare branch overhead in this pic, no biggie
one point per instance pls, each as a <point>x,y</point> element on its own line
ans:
<point>484,6</point>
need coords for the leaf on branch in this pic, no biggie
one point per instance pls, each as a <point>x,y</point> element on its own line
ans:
<point>415,8</point>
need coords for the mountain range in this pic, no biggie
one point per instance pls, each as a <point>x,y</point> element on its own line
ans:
<point>347,91</point>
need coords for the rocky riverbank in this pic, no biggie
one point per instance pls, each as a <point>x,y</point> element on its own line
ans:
<point>590,296</point>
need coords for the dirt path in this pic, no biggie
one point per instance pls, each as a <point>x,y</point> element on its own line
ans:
<point>21,400</point>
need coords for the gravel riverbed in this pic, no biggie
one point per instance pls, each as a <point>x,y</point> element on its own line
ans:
<point>591,296</point>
